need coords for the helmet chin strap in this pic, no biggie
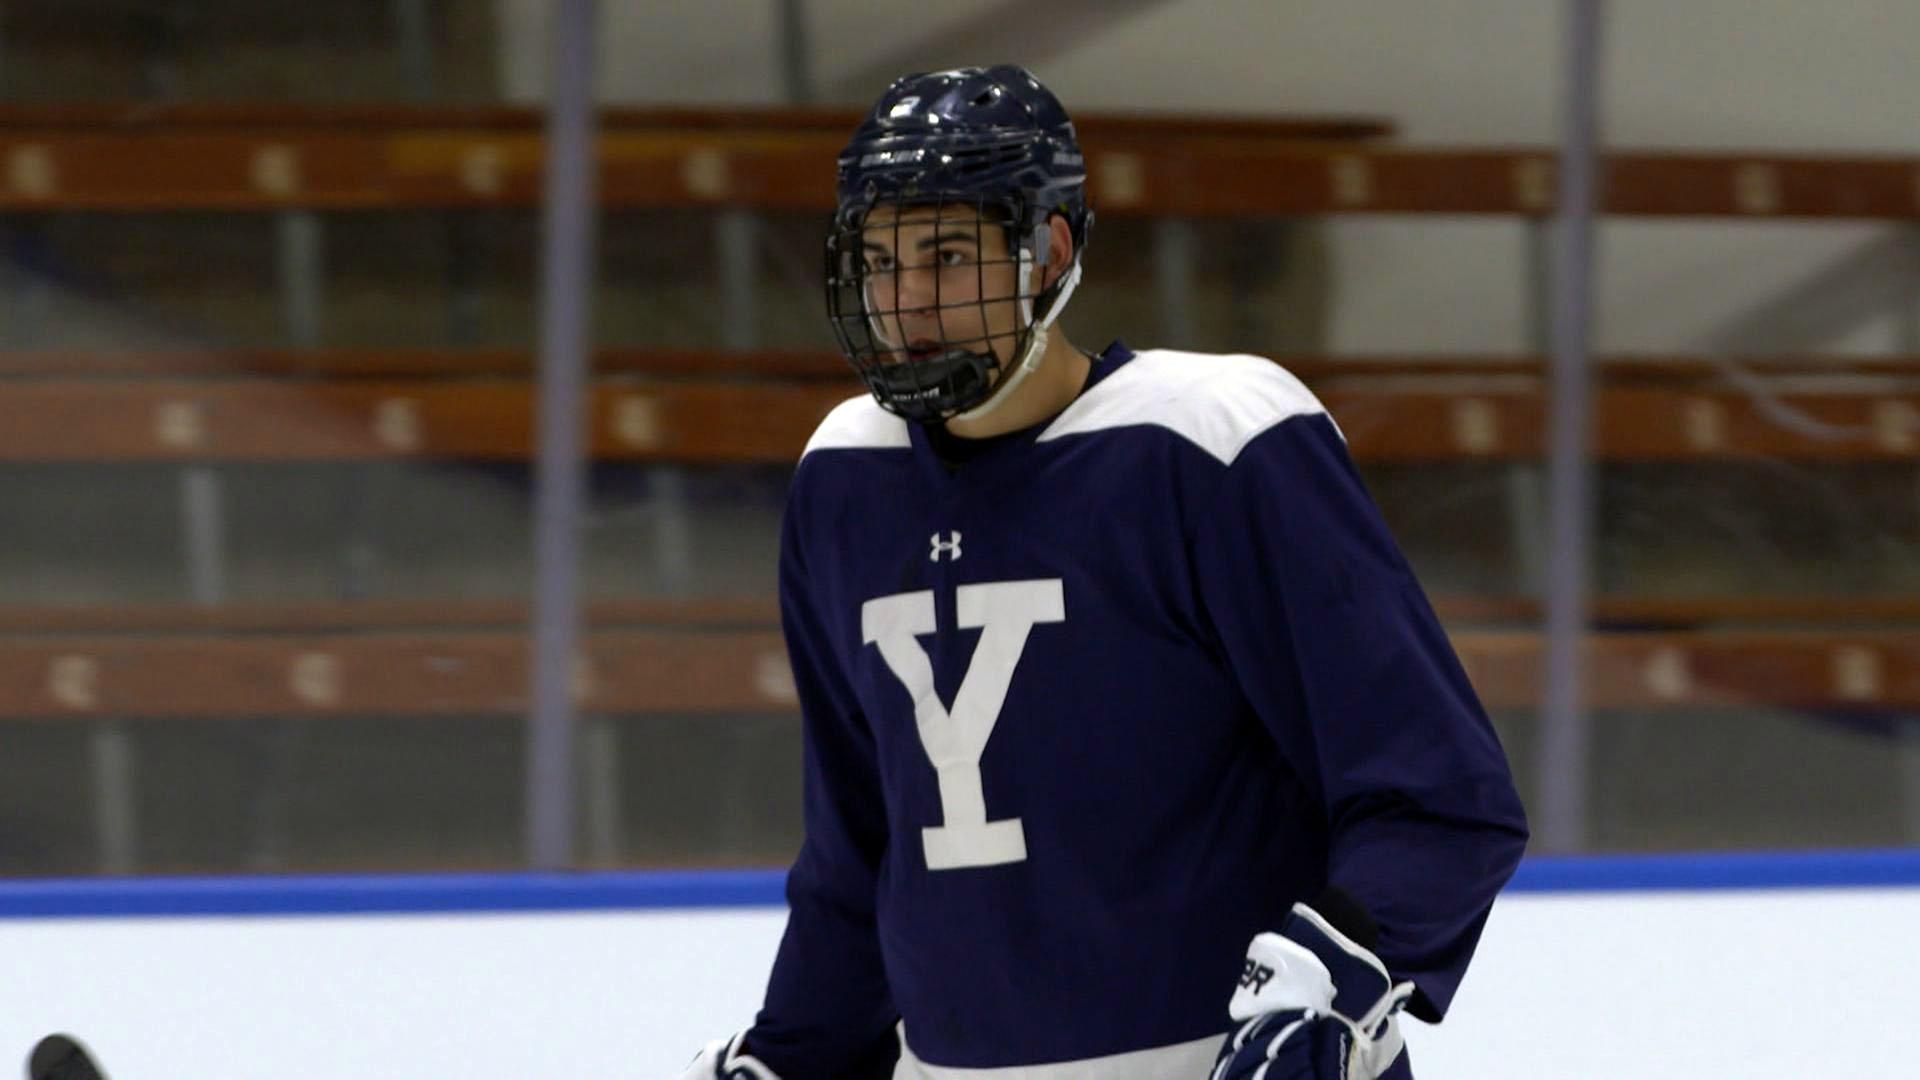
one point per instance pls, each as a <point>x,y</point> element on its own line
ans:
<point>1029,359</point>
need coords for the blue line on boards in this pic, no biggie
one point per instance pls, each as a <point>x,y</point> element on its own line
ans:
<point>1891,867</point>
<point>392,893</point>
<point>643,890</point>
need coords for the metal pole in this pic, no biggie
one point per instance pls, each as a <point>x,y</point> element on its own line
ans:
<point>1908,730</point>
<point>606,840</point>
<point>300,257</point>
<point>1526,481</point>
<point>206,535</point>
<point>1539,285</point>
<point>796,55</point>
<point>1173,262</point>
<point>736,238</point>
<point>413,39</point>
<point>300,254</point>
<point>566,281</point>
<point>1909,315</point>
<point>1562,818</point>
<point>110,760</point>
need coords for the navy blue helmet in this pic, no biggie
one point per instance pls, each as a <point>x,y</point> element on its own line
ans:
<point>984,148</point>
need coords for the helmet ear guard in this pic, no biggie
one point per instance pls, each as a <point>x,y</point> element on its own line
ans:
<point>1034,338</point>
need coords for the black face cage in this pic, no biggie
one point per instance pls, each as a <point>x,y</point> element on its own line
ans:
<point>927,356</point>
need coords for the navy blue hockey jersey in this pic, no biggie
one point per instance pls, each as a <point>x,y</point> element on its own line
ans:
<point>1088,711</point>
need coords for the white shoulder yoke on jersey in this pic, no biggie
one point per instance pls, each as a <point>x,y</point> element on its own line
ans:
<point>859,424</point>
<point>1218,402</point>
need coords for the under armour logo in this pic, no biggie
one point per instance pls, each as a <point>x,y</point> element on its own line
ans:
<point>950,547</point>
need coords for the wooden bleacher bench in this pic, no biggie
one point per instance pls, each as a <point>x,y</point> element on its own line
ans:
<point>433,659</point>
<point>209,117</point>
<point>263,158</point>
<point>1747,612</point>
<point>750,407</point>
<point>806,364</point>
<point>740,667</point>
<point>376,616</point>
<point>57,421</point>
<point>410,363</point>
<point>1688,613</point>
<point>650,657</point>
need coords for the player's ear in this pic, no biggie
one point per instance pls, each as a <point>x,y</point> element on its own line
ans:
<point>1059,249</point>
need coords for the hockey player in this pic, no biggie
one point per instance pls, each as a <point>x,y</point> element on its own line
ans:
<point>1108,666</point>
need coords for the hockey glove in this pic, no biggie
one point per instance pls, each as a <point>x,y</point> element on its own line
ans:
<point>1315,1006</point>
<point>722,1060</point>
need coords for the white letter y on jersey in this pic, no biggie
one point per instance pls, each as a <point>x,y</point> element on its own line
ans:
<point>1005,612</point>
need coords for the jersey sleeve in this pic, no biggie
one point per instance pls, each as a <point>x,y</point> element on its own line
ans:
<point>1337,649</point>
<point>828,1012</point>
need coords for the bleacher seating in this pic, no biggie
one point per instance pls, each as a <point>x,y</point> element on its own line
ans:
<point>663,658</point>
<point>726,657</point>
<point>251,158</point>
<point>732,407</point>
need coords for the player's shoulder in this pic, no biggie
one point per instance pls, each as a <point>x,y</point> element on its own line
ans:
<point>858,423</point>
<point>1219,402</point>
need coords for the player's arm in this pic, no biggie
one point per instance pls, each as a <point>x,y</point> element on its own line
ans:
<point>1320,616</point>
<point>828,1014</point>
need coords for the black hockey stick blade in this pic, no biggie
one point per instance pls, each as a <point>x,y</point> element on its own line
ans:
<point>61,1057</point>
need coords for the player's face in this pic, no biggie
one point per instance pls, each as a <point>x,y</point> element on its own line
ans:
<point>938,278</point>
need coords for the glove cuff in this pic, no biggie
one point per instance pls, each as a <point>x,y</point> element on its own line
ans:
<point>1360,980</point>
<point>736,1065</point>
<point>725,1059</point>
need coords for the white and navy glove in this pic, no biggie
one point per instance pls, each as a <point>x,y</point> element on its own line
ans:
<point>1315,1005</point>
<point>723,1060</point>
